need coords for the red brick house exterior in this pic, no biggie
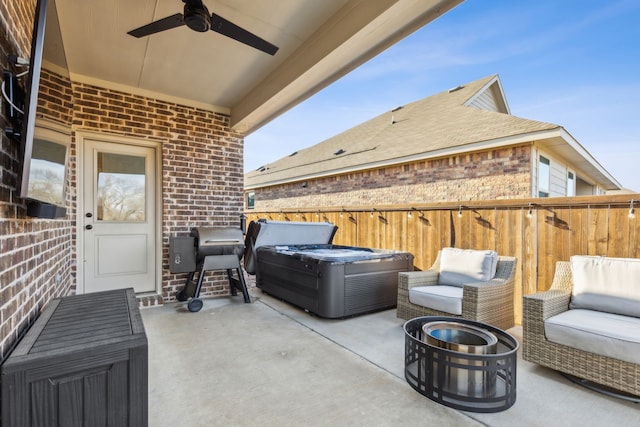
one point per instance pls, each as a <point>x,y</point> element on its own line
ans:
<point>473,176</point>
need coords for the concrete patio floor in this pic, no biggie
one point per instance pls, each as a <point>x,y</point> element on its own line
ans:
<point>269,363</point>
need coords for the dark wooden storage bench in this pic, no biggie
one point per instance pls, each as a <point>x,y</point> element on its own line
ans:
<point>82,363</point>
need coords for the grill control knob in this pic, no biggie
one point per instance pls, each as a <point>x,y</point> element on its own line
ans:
<point>88,227</point>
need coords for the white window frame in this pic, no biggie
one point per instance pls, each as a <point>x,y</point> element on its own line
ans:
<point>544,190</point>
<point>571,183</point>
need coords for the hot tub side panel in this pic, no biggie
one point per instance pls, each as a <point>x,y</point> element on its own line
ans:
<point>288,279</point>
<point>332,289</point>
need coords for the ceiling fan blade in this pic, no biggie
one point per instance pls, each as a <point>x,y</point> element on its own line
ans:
<point>163,24</point>
<point>229,29</point>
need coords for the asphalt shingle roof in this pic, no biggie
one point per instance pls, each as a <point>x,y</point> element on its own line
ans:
<point>438,122</point>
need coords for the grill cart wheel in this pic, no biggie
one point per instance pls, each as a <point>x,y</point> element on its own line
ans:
<point>194,305</point>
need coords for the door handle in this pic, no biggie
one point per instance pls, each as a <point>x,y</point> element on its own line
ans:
<point>88,227</point>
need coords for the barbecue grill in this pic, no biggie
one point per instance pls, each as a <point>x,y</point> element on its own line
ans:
<point>216,248</point>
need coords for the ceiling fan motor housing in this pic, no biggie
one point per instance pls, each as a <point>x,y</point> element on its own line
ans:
<point>197,18</point>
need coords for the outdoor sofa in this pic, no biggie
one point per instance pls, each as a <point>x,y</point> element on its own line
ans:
<point>587,324</point>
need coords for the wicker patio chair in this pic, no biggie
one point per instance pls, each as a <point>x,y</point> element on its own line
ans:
<point>602,370</point>
<point>488,302</point>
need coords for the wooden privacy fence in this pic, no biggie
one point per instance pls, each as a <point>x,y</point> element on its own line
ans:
<point>538,232</point>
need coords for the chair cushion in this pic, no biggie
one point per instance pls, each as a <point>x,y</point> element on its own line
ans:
<point>460,266</point>
<point>606,284</point>
<point>438,297</point>
<point>607,334</point>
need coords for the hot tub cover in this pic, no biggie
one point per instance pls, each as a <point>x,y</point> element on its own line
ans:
<point>333,253</point>
<point>283,234</point>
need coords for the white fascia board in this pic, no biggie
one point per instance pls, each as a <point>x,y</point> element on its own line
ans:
<point>581,151</point>
<point>556,133</point>
<point>526,138</point>
<point>445,152</point>
<point>361,30</point>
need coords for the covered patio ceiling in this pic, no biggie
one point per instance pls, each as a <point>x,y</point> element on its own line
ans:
<point>318,42</point>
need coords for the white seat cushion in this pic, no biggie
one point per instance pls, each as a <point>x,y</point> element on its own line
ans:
<point>607,334</point>
<point>606,284</point>
<point>438,297</point>
<point>461,266</point>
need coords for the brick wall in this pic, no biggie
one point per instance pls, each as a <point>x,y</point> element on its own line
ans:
<point>36,266</point>
<point>493,174</point>
<point>202,161</point>
<point>35,255</point>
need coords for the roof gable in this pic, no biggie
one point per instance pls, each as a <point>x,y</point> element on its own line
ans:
<point>490,97</point>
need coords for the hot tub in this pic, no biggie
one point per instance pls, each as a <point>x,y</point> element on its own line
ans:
<point>328,280</point>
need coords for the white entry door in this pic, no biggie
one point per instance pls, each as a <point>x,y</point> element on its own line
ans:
<point>118,216</point>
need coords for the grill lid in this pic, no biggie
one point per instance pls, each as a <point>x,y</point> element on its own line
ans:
<point>217,241</point>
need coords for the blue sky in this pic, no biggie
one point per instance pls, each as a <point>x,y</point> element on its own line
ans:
<point>569,62</point>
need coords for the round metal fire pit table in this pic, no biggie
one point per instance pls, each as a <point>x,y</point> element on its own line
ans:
<point>461,363</point>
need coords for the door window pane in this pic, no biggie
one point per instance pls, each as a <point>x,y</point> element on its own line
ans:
<point>121,187</point>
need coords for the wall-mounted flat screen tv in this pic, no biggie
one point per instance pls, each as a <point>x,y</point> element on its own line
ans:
<point>31,95</point>
<point>42,160</point>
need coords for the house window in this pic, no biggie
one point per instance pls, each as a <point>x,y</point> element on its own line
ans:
<point>251,197</point>
<point>544,177</point>
<point>571,184</point>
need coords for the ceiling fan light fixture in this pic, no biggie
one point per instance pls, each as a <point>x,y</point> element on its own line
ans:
<point>197,18</point>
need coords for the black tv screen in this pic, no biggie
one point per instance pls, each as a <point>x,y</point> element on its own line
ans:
<point>42,153</point>
<point>31,96</point>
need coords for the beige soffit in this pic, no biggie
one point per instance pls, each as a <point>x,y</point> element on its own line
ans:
<point>564,145</point>
<point>319,41</point>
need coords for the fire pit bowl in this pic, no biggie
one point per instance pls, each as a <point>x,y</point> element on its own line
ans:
<point>455,336</point>
<point>461,363</point>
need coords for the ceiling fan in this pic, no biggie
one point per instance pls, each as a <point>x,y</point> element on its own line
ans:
<point>196,16</point>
